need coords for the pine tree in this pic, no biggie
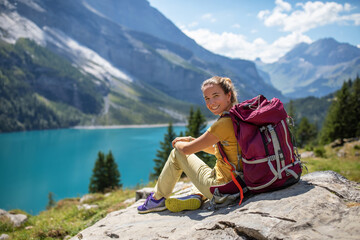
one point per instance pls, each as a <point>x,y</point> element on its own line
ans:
<point>112,172</point>
<point>337,121</point>
<point>97,180</point>
<point>105,174</point>
<point>355,105</point>
<point>195,128</point>
<point>164,152</point>
<point>291,110</point>
<point>196,123</point>
<point>51,201</point>
<point>305,133</point>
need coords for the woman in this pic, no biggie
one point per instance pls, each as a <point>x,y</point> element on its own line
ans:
<point>220,95</point>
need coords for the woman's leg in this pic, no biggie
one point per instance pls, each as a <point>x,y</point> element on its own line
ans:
<point>200,174</point>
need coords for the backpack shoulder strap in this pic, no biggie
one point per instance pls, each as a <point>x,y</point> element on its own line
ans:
<point>223,155</point>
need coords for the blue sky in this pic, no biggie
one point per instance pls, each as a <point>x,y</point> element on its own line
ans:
<point>262,28</point>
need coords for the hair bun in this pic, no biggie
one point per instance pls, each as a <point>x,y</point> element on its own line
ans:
<point>227,80</point>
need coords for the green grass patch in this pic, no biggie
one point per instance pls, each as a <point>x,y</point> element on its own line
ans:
<point>66,219</point>
<point>344,160</point>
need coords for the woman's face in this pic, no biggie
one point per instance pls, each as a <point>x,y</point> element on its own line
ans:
<point>216,99</point>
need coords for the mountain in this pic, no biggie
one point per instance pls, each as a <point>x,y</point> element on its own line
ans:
<point>126,13</point>
<point>150,72</point>
<point>315,69</point>
<point>34,81</point>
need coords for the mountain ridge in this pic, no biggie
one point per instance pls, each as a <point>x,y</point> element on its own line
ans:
<point>315,69</point>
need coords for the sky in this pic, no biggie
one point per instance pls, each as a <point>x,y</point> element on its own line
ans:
<point>265,29</point>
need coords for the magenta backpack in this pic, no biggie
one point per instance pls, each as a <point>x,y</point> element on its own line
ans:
<point>269,158</point>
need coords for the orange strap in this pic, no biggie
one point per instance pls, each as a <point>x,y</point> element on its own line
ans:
<point>222,153</point>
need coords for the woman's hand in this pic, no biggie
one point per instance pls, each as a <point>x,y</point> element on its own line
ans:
<point>190,145</point>
<point>182,139</point>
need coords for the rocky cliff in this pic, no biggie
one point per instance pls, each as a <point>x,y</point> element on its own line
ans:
<point>323,205</point>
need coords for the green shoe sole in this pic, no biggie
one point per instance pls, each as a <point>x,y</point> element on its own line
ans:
<point>178,205</point>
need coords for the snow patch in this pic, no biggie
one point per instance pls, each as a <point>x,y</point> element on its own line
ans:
<point>14,26</point>
<point>91,9</point>
<point>87,59</point>
<point>33,5</point>
<point>173,114</point>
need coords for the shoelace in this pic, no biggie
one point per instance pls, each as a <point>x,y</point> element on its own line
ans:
<point>148,199</point>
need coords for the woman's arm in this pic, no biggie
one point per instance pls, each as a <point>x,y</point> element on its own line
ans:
<point>210,150</point>
<point>203,143</point>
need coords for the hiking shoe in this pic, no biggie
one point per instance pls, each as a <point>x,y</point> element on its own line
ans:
<point>152,205</point>
<point>191,202</point>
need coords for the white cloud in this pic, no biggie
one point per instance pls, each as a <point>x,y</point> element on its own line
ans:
<point>293,20</point>
<point>193,24</point>
<point>309,16</point>
<point>209,17</point>
<point>236,25</point>
<point>237,46</point>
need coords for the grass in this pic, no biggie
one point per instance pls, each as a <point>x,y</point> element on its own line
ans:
<point>344,160</point>
<point>65,219</point>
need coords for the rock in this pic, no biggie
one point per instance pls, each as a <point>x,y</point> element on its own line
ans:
<point>336,143</point>
<point>87,206</point>
<point>86,198</point>
<point>323,205</point>
<point>129,201</point>
<point>4,236</point>
<point>16,219</point>
<point>143,193</point>
<point>341,153</point>
<point>307,154</point>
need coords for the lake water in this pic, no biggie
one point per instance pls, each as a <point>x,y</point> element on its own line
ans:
<point>34,163</point>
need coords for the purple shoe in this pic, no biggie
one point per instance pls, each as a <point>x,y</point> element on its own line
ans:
<point>152,205</point>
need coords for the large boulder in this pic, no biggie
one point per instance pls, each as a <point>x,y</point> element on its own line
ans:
<point>16,219</point>
<point>323,205</point>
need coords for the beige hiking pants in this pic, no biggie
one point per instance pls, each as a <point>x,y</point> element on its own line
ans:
<point>200,174</point>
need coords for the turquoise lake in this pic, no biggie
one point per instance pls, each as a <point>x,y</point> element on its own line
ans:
<point>34,163</point>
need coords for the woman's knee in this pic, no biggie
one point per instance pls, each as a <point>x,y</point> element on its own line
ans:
<point>177,153</point>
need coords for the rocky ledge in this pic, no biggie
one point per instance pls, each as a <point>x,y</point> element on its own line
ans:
<point>323,205</point>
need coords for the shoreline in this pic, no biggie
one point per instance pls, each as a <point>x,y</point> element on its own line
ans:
<point>94,127</point>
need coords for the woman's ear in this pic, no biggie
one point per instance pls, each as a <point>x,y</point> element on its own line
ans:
<point>229,96</point>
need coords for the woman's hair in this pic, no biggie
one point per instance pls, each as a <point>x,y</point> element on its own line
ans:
<point>225,83</point>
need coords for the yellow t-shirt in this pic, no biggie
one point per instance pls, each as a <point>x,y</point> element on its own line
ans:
<point>223,129</point>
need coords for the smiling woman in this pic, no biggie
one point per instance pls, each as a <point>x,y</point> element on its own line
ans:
<point>220,95</point>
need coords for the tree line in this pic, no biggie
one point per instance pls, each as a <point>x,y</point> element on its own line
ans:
<point>342,119</point>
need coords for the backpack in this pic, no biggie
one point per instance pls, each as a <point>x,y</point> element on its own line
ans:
<point>270,160</point>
